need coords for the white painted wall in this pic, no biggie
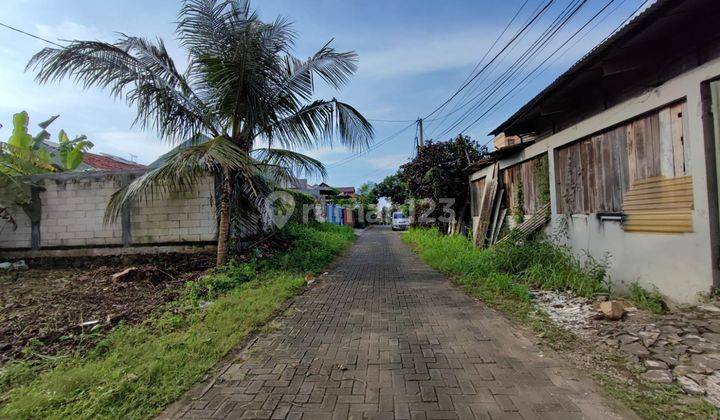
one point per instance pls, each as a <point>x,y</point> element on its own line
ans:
<point>679,265</point>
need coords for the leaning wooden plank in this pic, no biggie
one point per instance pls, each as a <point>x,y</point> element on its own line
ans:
<point>496,213</point>
<point>537,221</point>
<point>499,226</point>
<point>487,212</point>
<point>488,201</point>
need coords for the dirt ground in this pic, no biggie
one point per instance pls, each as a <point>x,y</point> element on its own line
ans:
<point>50,310</point>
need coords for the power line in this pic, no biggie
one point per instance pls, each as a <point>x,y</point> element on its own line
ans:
<point>523,56</point>
<point>537,15</point>
<point>487,52</point>
<point>539,66</point>
<point>562,54</point>
<point>390,121</point>
<point>526,57</point>
<point>371,148</point>
<point>31,35</point>
<point>623,22</point>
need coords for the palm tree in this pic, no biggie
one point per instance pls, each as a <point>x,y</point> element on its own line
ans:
<point>242,88</point>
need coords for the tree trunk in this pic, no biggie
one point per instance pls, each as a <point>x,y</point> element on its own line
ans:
<point>224,224</point>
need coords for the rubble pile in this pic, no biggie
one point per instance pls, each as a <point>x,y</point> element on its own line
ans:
<point>682,347</point>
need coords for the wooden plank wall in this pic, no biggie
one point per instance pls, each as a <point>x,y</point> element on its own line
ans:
<point>525,172</point>
<point>594,174</point>
<point>476,192</point>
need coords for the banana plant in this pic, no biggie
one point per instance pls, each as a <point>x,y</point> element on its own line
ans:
<point>72,152</point>
<point>24,155</point>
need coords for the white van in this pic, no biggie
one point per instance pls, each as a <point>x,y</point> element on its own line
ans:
<point>399,221</point>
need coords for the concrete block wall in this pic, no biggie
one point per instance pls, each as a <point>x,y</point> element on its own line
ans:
<point>19,238</point>
<point>72,212</point>
<point>73,205</point>
<point>178,217</point>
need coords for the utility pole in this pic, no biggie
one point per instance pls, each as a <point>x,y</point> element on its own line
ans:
<point>422,136</point>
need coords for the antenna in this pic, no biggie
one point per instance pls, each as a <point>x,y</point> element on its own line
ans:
<point>132,157</point>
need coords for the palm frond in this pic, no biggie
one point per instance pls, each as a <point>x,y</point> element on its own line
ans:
<point>137,70</point>
<point>321,122</point>
<point>296,163</point>
<point>180,172</point>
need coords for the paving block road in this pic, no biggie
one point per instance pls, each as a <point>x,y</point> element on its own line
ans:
<point>384,336</point>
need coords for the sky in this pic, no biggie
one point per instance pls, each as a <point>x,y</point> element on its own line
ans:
<point>413,55</point>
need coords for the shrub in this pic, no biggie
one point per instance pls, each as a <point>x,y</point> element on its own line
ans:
<point>650,300</point>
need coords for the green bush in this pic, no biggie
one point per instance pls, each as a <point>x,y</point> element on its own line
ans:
<point>315,246</point>
<point>650,300</point>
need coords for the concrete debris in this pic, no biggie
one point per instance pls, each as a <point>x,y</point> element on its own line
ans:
<point>659,376</point>
<point>17,265</point>
<point>681,346</point>
<point>612,309</point>
<point>566,310</point>
<point>690,386</point>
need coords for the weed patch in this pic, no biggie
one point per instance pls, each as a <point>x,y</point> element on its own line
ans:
<point>655,401</point>
<point>511,268</point>
<point>137,370</point>
<point>650,300</point>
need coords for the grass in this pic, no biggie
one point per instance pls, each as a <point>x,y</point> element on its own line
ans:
<point>137,370</point>
<point>655,401</point>
<point>650,300</point>
<point>502,277</point>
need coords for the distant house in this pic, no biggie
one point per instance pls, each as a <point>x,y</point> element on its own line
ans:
<point>624,146</point>
<point>346,192</point>
<point>323,191</point>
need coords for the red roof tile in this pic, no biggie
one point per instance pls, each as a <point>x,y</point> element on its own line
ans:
<point>107,163</point>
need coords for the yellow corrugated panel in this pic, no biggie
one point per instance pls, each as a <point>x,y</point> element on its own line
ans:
<point>662,205</point>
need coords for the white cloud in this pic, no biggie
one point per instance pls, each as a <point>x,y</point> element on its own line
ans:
<point>69,31</point>
<point>426,54</point>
